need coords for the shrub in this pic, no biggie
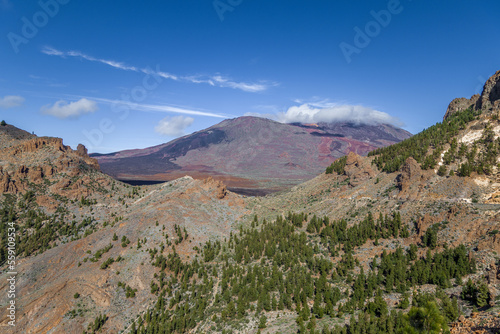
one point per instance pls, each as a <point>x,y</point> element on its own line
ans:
<point>442,170</point>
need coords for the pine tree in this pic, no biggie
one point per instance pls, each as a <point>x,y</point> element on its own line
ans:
<point>262,321</point>
<point>482,295</point>
<point>427,319</point>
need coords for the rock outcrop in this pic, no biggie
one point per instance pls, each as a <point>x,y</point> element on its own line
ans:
<point>489,100</point>
<point>8,184</point>
<point>461,104</point>
<point>26,159</point>
<point>357,169</point>
<point>409,180</point>
<point>490,97</point>
<point>218,186</point>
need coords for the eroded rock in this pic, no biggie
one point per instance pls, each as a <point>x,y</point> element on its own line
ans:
<point>409,180</point>
<point>357,169</point>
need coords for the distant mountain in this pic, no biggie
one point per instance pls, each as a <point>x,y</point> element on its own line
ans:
<point>369,245</point>
<point>249,153</point>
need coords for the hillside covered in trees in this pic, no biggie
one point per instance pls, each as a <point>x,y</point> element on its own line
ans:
<point>405,240</point>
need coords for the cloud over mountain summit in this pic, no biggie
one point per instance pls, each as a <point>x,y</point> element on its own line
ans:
<point>331,113</point>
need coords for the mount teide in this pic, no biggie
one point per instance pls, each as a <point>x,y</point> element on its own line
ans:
<point>250,154</point>
<point>96,255</point>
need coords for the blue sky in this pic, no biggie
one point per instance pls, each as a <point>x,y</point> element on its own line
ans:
<point>127,74</point>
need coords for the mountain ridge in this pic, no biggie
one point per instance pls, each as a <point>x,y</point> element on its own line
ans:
<point>355,248</point>
<point>228,151</point>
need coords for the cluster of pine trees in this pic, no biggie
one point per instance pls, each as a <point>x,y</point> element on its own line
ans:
<point>427,147</point>
<point>337,166</point>
<point>390,159</point>
<point>292,263</point>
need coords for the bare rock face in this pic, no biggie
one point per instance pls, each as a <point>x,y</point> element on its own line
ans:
<point>461,104</point>
<point>490,97</point>
<point>217,185</point>
<point>81,150</point>
<point>30,159</point>
<point>423,224</point>
<point>489,100</point>
<point>492,243</point>
<point>408,181</point>
<point>8,184</point>
<point>357,169</point>
<point>48,170</point>
<point>34,144</point>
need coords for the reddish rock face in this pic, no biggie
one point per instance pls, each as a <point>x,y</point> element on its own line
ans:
<point>217,186</point>
<point>81,150</point>
<point>409,180</point>
<point>30,159</point>
<point>357,169</point>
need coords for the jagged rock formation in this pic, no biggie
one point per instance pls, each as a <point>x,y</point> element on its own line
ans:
<point>409,180</point>
<point>219,187</point>
<point>457,209</point>
<point>490,97</point>
<point>357,169</point>
<point>460,104</point>
<point>489,100</point>
<point>26,158</point>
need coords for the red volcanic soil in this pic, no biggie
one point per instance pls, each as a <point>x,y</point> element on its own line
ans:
<point>250,153</point>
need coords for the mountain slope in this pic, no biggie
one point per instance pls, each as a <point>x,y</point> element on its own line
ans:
<point>359,249</point>
<point>250,152</point>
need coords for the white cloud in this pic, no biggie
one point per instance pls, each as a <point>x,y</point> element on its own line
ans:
<point>324,111</point>
<point>214,80</point>
<point>11,101</point>
<point>63,109</point>
<point>173,126</point>
<point>159,108</point>
<point>247,87</point>
<point>53,52</point>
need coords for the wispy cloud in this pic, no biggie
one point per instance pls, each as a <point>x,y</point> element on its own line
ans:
<point>62,109</point>
<point>212,80</point>
<point>159,108</point>
<point>77,54</point>
<point>247,87</point>
<point>173,126</point>
<point>11,101</point>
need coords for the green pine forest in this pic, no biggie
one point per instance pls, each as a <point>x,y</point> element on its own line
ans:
<point>305,266</point>
<point>427,146</point>
<point>300,265</point>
